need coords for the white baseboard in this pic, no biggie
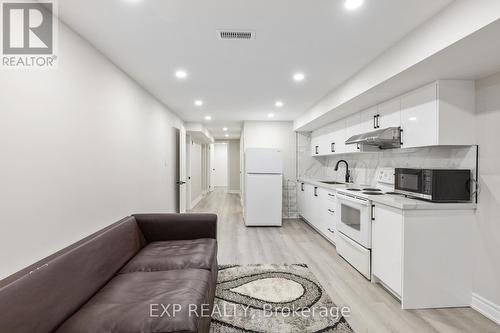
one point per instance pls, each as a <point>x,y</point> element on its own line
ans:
<point>234,192</point>
<point>486,308</point>
<point>195,201</point>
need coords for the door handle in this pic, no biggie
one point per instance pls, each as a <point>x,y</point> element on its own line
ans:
<point>401,136</point>
<point>315,191</point>
<point>373,212</point>
<point>331,230</point>
<point>378,119</point>
<point>316,150</point>
<point>332,195</point>
<point>374,121</point>
<point>331,211</point>
<point>333,147</point>
<point>180,183</point>
<point>302,187</point>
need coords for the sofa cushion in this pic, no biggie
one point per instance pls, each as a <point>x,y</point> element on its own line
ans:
<point>168,255</point>
<point>135,303</point>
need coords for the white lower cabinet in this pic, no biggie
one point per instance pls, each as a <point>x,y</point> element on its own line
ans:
<point>387,233</point>
<point>317,206</point>
<point>326,207</point>
<point>423,256</point>
<point>301,198</point>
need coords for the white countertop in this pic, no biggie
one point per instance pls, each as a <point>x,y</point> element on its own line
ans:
<point>396,201</point>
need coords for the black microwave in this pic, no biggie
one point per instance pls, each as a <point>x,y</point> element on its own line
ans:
<point>437,185</point>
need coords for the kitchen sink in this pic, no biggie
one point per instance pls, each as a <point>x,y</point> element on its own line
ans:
<point>331,183</point>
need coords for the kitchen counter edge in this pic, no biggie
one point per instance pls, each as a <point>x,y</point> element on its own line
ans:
<point>398,202</point>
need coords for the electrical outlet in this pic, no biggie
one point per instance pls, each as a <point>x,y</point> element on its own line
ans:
<point>385,175</point>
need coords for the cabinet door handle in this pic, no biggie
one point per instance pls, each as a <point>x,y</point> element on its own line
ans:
<point>315,191</point>
<point>374,121</point>
<point>401,135</point>
<point>331,230</point>
<point>332,195</point>
<point>331,211</point>
<point>302,187</point>
<point>373,212</point>
<point>378,121</point>
<point>358,147</point>
<point>316,150</point>
<point>333,147</point>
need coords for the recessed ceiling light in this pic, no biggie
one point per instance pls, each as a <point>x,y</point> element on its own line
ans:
<point>278,104</point>
<point>208,118</point>
<point>227,135</point>
<point>299,77</point>
<point>198,102</point>
<point>180,74</point>
<point>353,4</point>
<point>224,129</point>
<point>270,115</point>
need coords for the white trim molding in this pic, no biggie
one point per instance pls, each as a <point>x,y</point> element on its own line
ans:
<point>486,307</point>
<point>233,191</point>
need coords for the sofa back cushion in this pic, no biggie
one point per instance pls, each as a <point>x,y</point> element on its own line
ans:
<point>44,295</point>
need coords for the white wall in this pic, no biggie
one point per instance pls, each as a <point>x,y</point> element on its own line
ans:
<point>487,270</point>
<point>280,135</point>
<point>80,147</point>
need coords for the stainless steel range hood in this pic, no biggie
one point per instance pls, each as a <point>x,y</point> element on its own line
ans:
<point>385,138</point>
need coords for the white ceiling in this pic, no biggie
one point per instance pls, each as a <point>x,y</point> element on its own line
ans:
<point>241,80</point>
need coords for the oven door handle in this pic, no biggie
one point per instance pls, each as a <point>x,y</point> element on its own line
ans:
<point>348,198</point>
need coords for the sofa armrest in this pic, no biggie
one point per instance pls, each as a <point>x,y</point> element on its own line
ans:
<point>163,227</point>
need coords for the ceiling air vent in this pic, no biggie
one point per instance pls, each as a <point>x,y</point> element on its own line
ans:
<point>236,34</point>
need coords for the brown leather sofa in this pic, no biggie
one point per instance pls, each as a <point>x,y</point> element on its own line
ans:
<point>125,278</point>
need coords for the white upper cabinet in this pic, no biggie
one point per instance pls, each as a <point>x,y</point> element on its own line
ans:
<point>368,119</point>
<point>389,114</point>
<point>335,140</point>
<point>438,114</point>
<point>419,117</point>
<point>329,140</point>
<point>352,127</point>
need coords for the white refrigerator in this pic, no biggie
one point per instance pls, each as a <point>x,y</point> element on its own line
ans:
<point>263,191</point>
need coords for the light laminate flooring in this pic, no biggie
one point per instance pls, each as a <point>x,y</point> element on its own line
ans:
<point>372,308</point>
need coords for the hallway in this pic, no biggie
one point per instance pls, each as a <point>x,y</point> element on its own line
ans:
<point>372,308</point>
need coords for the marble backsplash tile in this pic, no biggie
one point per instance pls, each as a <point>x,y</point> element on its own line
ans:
<point>364,166</point>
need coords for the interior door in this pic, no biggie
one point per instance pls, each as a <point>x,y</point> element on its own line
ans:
<point>181,170</point>
<point>211,167</point>
<point>220,165</point>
